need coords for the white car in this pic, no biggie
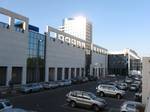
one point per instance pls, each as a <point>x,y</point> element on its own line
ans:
<point>5,105</point>
<point>132,106</point>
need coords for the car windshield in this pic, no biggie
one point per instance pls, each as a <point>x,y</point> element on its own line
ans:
<point>92,95</point>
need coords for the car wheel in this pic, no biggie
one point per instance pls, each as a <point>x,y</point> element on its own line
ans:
<point>118,96</point>
<point>72,104</point>
<point>96,108</point>
<point>101,94</point>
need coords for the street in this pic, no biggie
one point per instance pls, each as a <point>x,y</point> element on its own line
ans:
<point>54,100</point>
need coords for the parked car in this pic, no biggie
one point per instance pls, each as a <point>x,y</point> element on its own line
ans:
<point>5,105</point>
<point>137,78</point>
<point>133,87</point>
<point>67,82</point>
<point>138,83</point>
<point>28,88</point>
<point>60,83</point>
<point>85,99</point>
<point>76,80</point>
<point>92,78</point>
<point>85,79</point>
<point>128,80</point>
<point>50,85</point>
<point>138,96</point>
<point>122,86</point>
<point>132,106</point>
<point>64,82</point>
<point>110,90</point>
<point>54,84</point>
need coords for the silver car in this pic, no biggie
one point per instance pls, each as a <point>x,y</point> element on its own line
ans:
<point>28,88</point>
<point>111,90</point>
<point>50,85</point>
<point>86,99</point>
<point>132,106</point>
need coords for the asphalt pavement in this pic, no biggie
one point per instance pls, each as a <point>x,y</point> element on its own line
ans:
<point>54,100</point>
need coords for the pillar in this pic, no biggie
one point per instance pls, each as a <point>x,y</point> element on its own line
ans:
<point>46,74</point>
<point>75,72</point>
<point>9,75</point>
<point>80,72</point>
<point>11,23</point>
<point>24,76</point>
<point>69,74</point>
<point>55,76</point>
<point>63,74</point>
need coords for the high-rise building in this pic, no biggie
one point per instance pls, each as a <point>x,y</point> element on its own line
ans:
<point>79,27</point>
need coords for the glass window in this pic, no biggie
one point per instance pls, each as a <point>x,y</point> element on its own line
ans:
<point>132,106</point>
<point>74,94</point>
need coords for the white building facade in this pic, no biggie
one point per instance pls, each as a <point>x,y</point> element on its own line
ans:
<point>28,56</point>
<point>79,27</point>
<point>13,48</point>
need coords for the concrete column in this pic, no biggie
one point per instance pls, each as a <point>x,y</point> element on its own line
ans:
<point>63,74</point>
<point>46,74</point>
<point>11,23</point>
<point>84,72</point>
<point>80,72</point>
<point>24,76</point>
<point>69,73</point>
<point>98,72</point>
<point>91,70</point>
<point>55,77</point>
<point>75,72</point>
<point>9,75</point>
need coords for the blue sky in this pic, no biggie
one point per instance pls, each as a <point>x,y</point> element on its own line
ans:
<point>117,24</point>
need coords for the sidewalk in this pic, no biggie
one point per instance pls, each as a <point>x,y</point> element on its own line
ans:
<point>6,92</point>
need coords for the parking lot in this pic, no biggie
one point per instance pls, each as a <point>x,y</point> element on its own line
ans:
<point>54,100</point>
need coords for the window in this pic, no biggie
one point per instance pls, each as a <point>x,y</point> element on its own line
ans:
<point>132,106</point>
<point>74,94</point>
<point>86,96</point>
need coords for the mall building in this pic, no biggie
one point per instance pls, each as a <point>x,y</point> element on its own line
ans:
<point>28,56</point>
<point>124,62</point>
